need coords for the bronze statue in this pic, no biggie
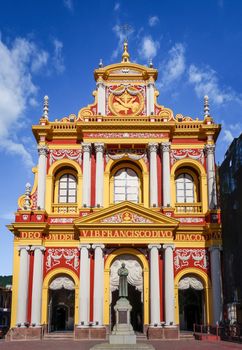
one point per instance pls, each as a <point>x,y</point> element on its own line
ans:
<point>123,283</point>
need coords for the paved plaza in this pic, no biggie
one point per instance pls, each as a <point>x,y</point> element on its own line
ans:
<point>86,345</point>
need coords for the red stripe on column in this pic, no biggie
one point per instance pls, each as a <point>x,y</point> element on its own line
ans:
<point>161,266</point>
<point>159,178</point>
<point>31,269</point>
<point>91,285</point>
<point>93,180</point>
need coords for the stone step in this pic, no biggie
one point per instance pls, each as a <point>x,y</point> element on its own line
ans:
<point>187,335</point>
<point>59,335</point>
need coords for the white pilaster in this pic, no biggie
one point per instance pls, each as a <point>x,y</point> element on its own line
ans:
<point>100,98</point>
<point>84,298</point>
<point>37,285</point>
<point>211,176</point>
<point>23,284</point>
<point>154,284</point>
<point>43,151</point>
<point>165,147</point>
<point>152,147</point>
<point>99,148</point>
<point>98,283</point>
<point>86,184</point>
<point>150,98</point>
<point>215,264</point>
<point>169,284</point>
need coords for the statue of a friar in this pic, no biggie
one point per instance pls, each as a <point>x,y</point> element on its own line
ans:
<point>123,283</point>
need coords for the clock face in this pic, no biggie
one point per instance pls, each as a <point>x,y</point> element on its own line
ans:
<point>126,101</point>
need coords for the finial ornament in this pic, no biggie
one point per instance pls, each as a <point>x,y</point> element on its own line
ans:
<point>46,107</point>
<point>151,64</point>
<point>100,63</point>
<point>206,106</point>
<point>125,55</point>
<point>27,204</point>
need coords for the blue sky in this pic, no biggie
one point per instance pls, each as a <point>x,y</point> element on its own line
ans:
<point>52,47</point>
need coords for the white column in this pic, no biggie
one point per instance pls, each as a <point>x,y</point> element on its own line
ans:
<point>99,148</point>
<point>84,297</point>
<point>169,284</point>
<point>150,98</point>
<point>211,176</point>
<point>43,151</point>
<point>215,264</point>
<point>37,285</point>
<point>100,98</point>
<point>152,147</point>
<point>23,284</point>
<point>86,184</point>
<point>154,284</point>
<point>98,283</point>
<point>166,173</point>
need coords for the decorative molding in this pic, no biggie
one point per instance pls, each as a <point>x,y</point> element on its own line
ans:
<point>177,154</point>
<point>165,147</point>
<point>73,154</point>
<point>62,282</point>
<point>99,147</point>
<point>124,135</point>
<point>209,149</point>
<point>42,150</point>
<point>60,256</point>
<point>126,217</point>
<point>190,220</point>
<point>190,282</point>
<point>133,154</point>
<point>61,220</point>
<point>191,258</point>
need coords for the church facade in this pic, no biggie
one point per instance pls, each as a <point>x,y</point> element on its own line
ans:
<point>123,181</point>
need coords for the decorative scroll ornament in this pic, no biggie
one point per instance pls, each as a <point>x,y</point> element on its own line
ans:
<point>73,154</point>
<point>177,154</point>
<point>190,282</point>
<point>56,256</point>
<point>129,153</point>
<point>126,217</point>
<point>135,276</point>
<point>33,197</point>
<point>191,257</point>
<point>62,282</point>
<point>125,100</point>
<point>42,150</point>
<point>191,220</point>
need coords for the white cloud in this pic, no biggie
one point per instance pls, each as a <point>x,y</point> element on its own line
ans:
<point>174,67</point>
<point>17,91</point>
<point>116,6</point>
<point>153,21</point>
<point>117,29</point>
<point>227,136</point>
<point>58,60</point>
<point>69,5</point>
<point>149,48</point>
<point>206,82</point>
<point>7,216</point>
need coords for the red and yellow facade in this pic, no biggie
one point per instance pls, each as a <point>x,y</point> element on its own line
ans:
<point>123,180</point>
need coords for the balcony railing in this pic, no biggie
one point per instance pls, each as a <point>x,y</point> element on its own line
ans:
<point>64,208</point>
<point>188,208</point>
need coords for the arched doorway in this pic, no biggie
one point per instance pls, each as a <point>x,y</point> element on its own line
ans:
<point>191,302</point>
<point>61,304</point>
<point>135,289</point>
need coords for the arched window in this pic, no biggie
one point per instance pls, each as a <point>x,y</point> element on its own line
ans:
<point>67,189</point>
<point>126,186</point>
<point>184,188</point>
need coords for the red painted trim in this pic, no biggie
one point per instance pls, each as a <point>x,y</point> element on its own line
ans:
<point>91,286</point>
<point>159,178</point>
<point>31,270</point>
<point>161,267</point>
<point>93,180</point>
<point>63,141</point>
<point>193,141</point>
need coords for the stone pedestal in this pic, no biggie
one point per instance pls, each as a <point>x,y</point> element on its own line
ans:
<point>123,332</point>
<point>24,333</point>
